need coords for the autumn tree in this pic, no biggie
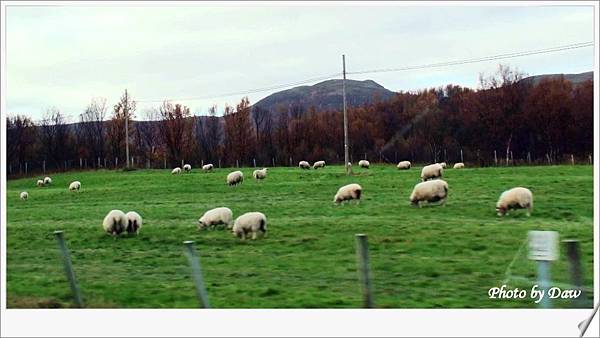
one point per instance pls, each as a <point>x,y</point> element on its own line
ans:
<point>176,130</point>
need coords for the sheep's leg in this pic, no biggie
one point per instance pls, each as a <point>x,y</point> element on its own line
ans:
<point>443,202</point>
<point>254,235</point>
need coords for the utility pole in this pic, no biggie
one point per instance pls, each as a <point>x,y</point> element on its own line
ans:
<point>126,111</point>
<point>345,117</point>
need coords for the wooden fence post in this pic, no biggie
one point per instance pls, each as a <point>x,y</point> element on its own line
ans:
<point>44,166</point>
<point>196,274</point>
<point>572,160</point>
<point>68,268</point>
<point>495,158</point>
<point>254,161</point>
<point>362,257</point>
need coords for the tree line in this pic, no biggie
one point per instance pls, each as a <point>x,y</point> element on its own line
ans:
<point>506,120</point>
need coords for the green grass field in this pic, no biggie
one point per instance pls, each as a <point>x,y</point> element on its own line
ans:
<point>433,257</point>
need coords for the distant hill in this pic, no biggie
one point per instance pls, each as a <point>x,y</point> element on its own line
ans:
<point>574,78</point>
<point>327,95</point>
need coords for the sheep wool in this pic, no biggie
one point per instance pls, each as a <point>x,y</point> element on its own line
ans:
<point>403,165</point>
<point>134,222</point>
<point>24,196</point>
<point>431,171</point>
<point>364,164</point>
<point>429,191</point>
<point>75,186</point>
<point>176,171</point>
<point>319,164</point>
<point>216,216</point>
<point>260,174</point>
<point>304,165</point>
<point>250,223</point>
<point>47,180</point>
<point>235,178</point>
<point>115,222</point>
<point>515,198</point>
<point>443,164</point>
<point>459,165</point>
<point>187,168</point>
<point>39,183</point>
<point>207,167</point>
<point>347,193</point>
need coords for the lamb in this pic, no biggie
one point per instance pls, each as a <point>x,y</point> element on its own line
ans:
<point>250,222</point>
<point>348,192</point>
<point>260,174</point>
<point>459,165</point>
<point>39,183</point>
<point>24,195</point>
<point>176,171</point>
<point>207,167</point>
<point>364,164</point>
<point>431,171</point>
<point>235,178</point>
<point>403,165</point>
<point>430,191</point>
<point>187,168</point>
<point>515,198</point>
<point>115,222</point>
<point>75,185</point>
<point>134,222</point>
<point>319,164</point>
<point>304,165</point>
<point>216,216</point>
<point>47,180</point>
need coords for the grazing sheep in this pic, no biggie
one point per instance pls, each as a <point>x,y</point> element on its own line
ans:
<point>76,185</point>
<point>39,183</point>
<point>115,222</point>
<point>24,195</point>
<point>347,193</point>
<point>235,178</point>
<point>260,174</point>
<point>134,222</point>
<point>176,171</point>
<point>47,180</point>
<point>430,191</point>
<point>187,168</point>
<point>304,165</point>
<point>207,167</point>
<point>250,222</point>
<point>459,165</point>
<point>515,198</point>
<point>403,165</point>
<point>216,216</point>
<point>431,171</point>
<point>319,164</point>
<point>364,164</point>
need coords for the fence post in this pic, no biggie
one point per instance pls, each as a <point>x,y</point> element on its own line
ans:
<point>548,158</point>
<point>290,161</point>
<point>44,166</point>
<point>237,163</point>
<point>590,158</point>
<point>572,160</point>
<point>273,160</point>
<point>25,168</point>
<point>68,267</point>
<point>219,163</point>
<point>165,162</point>
<point>182,164</point>
<point>147,164</point>
<point>529,157</point>
<point>461,156</point>
<point>495,158</point>
<point>254,160</point>
<point>362,257</point>
<point>196,273</point>
<point>572,247</point>
<point>202,163</point>
<point>10,168</point>
<point>80,163</point>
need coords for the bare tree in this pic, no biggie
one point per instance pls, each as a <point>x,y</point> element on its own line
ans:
<point>91,127</point>
<point>20,138</point>
<point>55,137</point>
<point>175,129</point>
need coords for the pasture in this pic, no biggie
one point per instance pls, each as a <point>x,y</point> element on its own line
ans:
<point>433,257</point>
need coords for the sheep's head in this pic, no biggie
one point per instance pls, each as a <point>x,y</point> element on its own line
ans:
<point>500,211</point>
<point>201,224</point>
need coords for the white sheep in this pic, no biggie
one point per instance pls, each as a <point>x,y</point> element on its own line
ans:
<point>319,164</point>
<point>403,165</point>
<point>443,164</point>
<point>250,222</point>
<point>432,171</point>
<point>75,186</point>
<point>235,178</point>
<point>176,171</point>
<point>348,192</point>
<point>429,191</point>
<point>39,183</point>
<point>304,165</point>
<point>459,165</point>
<point>24,196</point>
<point>115,222</point>
<point>47,180</point>
<point>187,168</point>
<point>207,167</point>
<point>515,198</point>
<point>134,222</point>
<point>260,174</point>
<point>364,164</point>
<point>216,216</point>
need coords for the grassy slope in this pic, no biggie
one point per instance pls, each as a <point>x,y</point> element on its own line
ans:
<point>420,258</point>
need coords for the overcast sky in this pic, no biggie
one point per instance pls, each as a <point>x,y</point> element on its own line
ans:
<point>64,56</point>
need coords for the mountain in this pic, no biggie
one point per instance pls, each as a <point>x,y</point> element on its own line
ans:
<point>574,78</point>
<point>327,95</point>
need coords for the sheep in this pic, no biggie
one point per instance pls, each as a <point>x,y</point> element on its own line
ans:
<point>364,164</point>
<point>431,171</point>
<point>216,216</point>
<point>39,183</point>
<point>304,165</point>
<point>187,168</point>
<point>250,222</point>
<point>515,198</point>
<point>235,178</point>
<point>260,174</point>
<point>115,222</point>
<point>24,195</point>
<point>319,164</point>
<point>403,165</point>
<point>47,180</point>
<point>443,164</point>
<point>347,193</point>
<point>207,167</point>
<point>75,185</point>
<point>134,222</point>
<point>429,191</point>
<point>459,165</point>
<point>176,171</point>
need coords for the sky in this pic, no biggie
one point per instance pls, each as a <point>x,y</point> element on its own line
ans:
<point>64,56</point>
